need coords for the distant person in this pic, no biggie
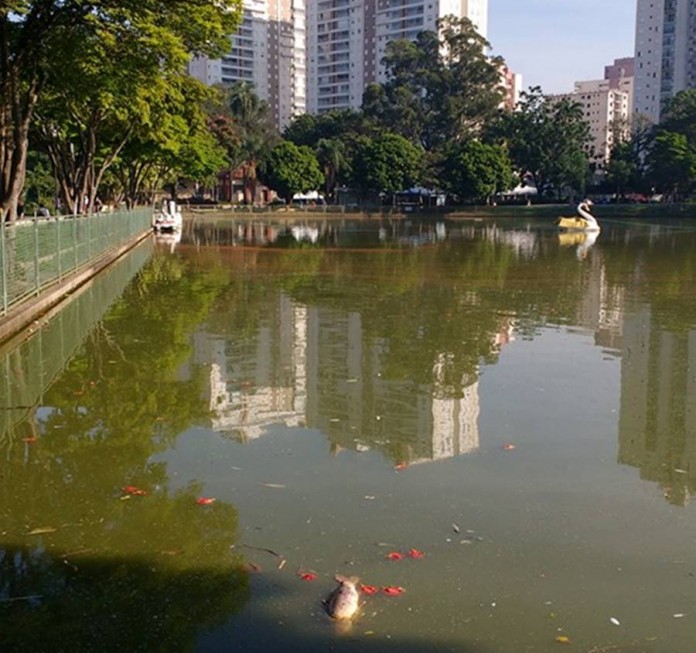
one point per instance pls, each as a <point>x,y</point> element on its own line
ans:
<point>44,212</point>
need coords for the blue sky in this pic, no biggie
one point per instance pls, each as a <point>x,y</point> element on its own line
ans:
<point>554,43</point>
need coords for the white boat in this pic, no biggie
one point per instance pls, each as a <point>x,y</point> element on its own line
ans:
<point>169,218</point>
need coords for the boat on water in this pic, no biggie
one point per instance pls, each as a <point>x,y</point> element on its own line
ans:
<point>168,219</point>
<point>584,221</point>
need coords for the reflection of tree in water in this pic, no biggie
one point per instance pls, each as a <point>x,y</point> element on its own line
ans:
<point>149,576</point>
<point>143,573</point>
<point>424,321</point>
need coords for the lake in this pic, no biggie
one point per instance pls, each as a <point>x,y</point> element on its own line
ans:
<point>490,424</point>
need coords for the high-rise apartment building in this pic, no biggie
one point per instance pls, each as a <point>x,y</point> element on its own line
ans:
<point>346,42</point>
<point>606,106</point>
<point>665,55</point>
<point>269,52</point>
<point>320,55</point>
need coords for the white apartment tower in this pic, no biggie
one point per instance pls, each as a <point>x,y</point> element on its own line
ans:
<point>665,53</point>
<point>268,51</point>
<point>346,41</point>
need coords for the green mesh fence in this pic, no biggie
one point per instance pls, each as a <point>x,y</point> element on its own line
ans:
<point>29,369</point>
<point>37,253</point>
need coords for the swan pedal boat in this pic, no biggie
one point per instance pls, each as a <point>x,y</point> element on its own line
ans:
<point>584,222</point>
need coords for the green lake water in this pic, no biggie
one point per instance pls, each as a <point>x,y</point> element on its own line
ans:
<point>214,428</point>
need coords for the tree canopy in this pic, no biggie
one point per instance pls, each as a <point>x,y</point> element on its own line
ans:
<point>89,73</point>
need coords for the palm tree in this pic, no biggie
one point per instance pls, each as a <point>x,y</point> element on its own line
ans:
<point>330,154</point>
<point>257,134</point>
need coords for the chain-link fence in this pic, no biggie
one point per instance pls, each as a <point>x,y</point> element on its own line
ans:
<point>29,369</point>
<point>36,253</point>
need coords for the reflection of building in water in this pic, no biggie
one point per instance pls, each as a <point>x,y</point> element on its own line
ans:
<point>252,387</point>
<point>316,366</point>
<point>601,308</point>
<point>523,243</point>
<point>657,429</point>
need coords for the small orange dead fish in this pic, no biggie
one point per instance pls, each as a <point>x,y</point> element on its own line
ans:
<point>307,575</point>
<point>369,589</point>
<point>133,491</point>
<point>393,590</point>
<point>205,501</point>
<point>344,601</point>
<point>395,555</point>
<point>415,553</point>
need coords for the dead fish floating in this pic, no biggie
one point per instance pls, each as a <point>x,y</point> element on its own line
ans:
<point>343,603</point>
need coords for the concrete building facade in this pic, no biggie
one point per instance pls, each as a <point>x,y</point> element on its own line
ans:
<point>320,56</point>
<point>665,53</point>
<point>607,107</point>
<point>268,51</point>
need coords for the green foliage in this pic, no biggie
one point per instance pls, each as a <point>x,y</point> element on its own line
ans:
<point>39,185</point>
<point>441,87</point>
<point>388,163</point>
<point>290,169</point>
<point>680,116</point>
<point>547,139</point>
<point>256,134</point>
<point>622,169</point>
<point>672,163</point>
<point>88,75</point>
<point>331,157</point>
<point>180,143</point>
<point>476,171</point>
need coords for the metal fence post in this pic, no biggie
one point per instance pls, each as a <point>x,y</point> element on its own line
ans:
<point>58,247</point>
<point>74,240</point>
<point>37,279</point>
<point>5,269</point>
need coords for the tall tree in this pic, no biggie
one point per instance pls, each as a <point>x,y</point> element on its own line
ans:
<point>672,164</point>
<point>289,169</point>
<point>474,170</point>
<point>331,156</point>
<point>386,164</point>
<point>61,51</point>
<point>547,140</point>
<point>257,134</point>
<point>440,87</point>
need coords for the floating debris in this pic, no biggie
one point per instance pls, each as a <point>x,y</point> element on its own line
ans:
<point>42,530</point>
<point>615,621</point>
<point>277,486</point>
